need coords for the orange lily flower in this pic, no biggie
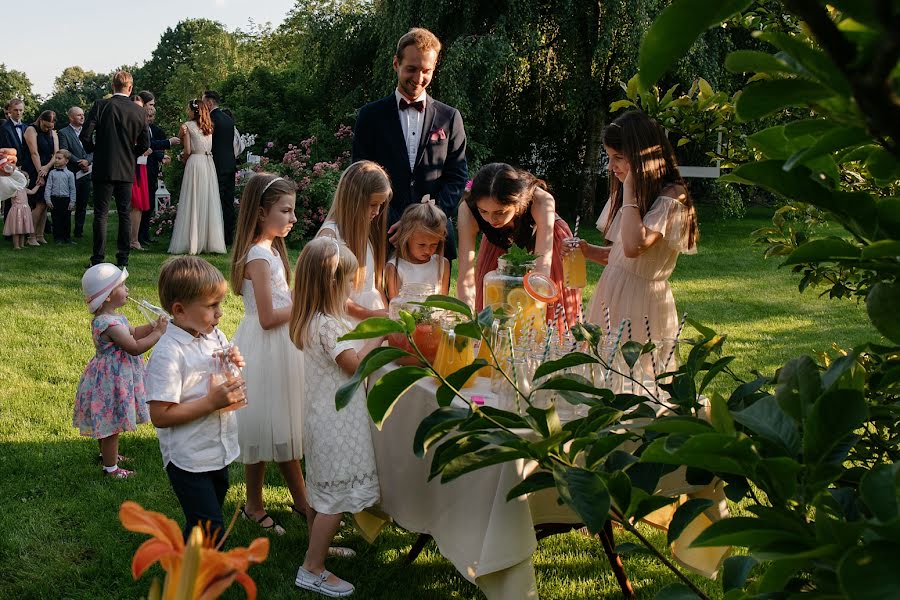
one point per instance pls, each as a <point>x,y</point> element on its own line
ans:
<point>196,571</point>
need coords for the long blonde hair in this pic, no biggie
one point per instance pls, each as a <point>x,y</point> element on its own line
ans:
<point>324,271</point>
<point>262,192</point>
<point>426,218</point>
<point>645,145</point>
<point>350,210</point>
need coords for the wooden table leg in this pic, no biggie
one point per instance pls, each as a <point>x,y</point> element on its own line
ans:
<point>615,561</point>
<point>417,547</point>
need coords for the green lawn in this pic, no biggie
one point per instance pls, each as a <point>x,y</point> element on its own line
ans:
<point>59,532</point>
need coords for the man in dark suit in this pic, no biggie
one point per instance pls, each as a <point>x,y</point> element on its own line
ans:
<point>79,163</point>
<point>120,126</point>
<point>12,135</point>
<point>223,157</point>
<point>419,141</point>
<point>159,143</point>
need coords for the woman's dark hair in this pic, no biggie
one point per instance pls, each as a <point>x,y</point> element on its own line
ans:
<point>647,149</point>
<point>505,184</point>
<point>48,116</point>
<point>146,96</point>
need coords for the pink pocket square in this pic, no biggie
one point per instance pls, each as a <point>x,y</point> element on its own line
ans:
<point>437,134</point>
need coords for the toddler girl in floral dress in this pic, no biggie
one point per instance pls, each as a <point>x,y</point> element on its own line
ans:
<point>111,397</point>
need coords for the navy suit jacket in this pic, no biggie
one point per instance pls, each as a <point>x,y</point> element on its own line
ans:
<point>9,138</point>
<point>440,169</point>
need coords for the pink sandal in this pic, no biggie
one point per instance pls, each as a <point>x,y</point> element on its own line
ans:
<point>119,473</point>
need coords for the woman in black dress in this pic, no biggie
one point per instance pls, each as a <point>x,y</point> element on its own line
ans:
<point>41,143</point>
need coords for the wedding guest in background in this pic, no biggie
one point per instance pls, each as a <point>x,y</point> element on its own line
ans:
<point>432,159</point>
<point>60,196</point>
<point>41,143</point>
<point>12,133</point>
<point>223,157</point>
<point>159,143</point>
<point>79,163</point>
<point>140,190</point>
<point>121,135</point>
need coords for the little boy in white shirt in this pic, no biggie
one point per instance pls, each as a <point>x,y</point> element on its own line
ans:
<point>190,404</point>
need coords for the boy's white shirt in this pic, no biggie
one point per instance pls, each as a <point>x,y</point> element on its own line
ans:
<point>178,371</point>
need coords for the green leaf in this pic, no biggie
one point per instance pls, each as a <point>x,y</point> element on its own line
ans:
<point>537,481</point>
<point>716,368</point>
<point>751,533</point>
<point>674,31</point>
<point>385,392</point>
<point>766,419</point>
<point>834,416</point>
<point>883,165</point>
<point>545,421</point>
<point>447,303</point>
<point>642,503</point>
<point>881,305</point>
<point>408,320</point>
<point>628,548</point>
<point>808,127</point>
<point>631,352</point>
<point>754,61</point>
<point>777,477</point>
<point>772,142</point>
<point>711,451</point>
<point>880,490</point>
<point>585,492</point>
<point>685,514</point>
<point>620,104</point>
<point>735,571</point>
<point>762,98</point>
<point>870,572</point>
<point>881,249</point>
<point>824,249</point>
<point>373,361</point>
<point>469,462</point>
<point>573,359</point>
<point>832,141</point>
<point>603,446</point>
<point>813,60</point>
<point>436,425</point>
<point>457,379</point>
<point>719,415</point>
<point>676,591</point>
<point>565,383</point>
<point>679,424</point>
<point>373,327</point>
<point>702,329</point>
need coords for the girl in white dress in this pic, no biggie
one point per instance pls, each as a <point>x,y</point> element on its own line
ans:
<point>419,258</point>
<point>340,458</point>
<point>270,428</point>
<point>358,218</point>
<point>198,222</point>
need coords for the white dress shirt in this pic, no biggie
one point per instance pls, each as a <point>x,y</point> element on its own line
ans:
<point>412,122</point>
<point>179,371</point>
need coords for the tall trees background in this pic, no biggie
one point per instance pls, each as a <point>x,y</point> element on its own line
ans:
<point>532,79</point>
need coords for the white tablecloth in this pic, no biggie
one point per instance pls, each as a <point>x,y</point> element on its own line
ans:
<point>489,540</point>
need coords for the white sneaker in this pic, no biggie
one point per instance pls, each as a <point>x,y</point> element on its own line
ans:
<point>319,583</point>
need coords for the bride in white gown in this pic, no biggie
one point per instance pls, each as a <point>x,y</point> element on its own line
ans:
<point>198,222</point>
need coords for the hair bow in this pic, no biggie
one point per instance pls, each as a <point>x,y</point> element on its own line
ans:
<point>427,199</point>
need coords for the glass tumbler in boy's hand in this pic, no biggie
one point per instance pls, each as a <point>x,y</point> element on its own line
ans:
<point>224,369</point>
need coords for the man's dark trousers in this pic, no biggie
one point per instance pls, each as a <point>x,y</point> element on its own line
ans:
<point>103,192</point>
<point>226,197</point>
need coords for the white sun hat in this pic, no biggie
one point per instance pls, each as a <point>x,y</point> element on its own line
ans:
<point>98,283</point>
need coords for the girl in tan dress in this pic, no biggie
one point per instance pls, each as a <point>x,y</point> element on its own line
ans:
<point>649,220</point>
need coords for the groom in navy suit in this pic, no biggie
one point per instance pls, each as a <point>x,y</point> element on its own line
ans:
<point>419,141</point>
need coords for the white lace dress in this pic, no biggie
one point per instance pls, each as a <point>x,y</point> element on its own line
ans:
<point>340,460</point>
<point>198,221</point>
<point>367,295</point>
<point>270,427</point>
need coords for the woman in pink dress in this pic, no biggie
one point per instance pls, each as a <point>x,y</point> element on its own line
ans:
<point>510,206</point>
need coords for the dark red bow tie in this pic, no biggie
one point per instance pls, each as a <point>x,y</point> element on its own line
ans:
<point>419,105</point>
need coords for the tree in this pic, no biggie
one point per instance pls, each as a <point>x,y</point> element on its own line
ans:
<point>76,87</point>
<point>15,84</point>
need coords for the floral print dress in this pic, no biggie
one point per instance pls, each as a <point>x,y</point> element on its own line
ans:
<point>111,397</point>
